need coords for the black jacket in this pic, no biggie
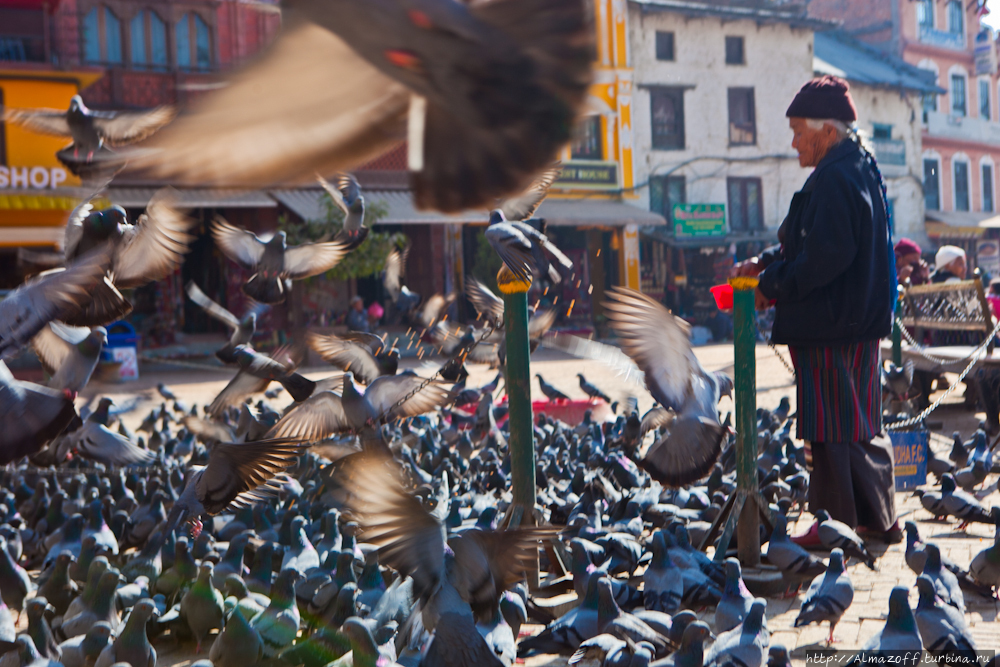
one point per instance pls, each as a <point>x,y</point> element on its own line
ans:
<point>831,277</point>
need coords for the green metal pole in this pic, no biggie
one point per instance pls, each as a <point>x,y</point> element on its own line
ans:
<point>522,447</point>
<point>897,335</point>
<point>745,384</point>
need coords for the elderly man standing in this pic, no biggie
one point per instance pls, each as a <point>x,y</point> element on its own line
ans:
<point>833,282</point>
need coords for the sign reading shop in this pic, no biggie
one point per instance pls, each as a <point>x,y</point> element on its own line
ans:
<point>36,178</point>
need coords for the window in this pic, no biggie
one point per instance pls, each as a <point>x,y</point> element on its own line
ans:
<point>667,114</point>
<point>102,36</point>
<point>193,43</point>
<point>664,192</point>
<point>958,95</point>
<point>925,13</point>
<point>961,185</point>
<point>587,139</point>
<point>932,185</point>
<point>22,34</point>
<point>988,188</point>
<point>148,33</point>
<point>664,45</point>
<point>742,121</point>
<point>746,210</point>
<point>956,17</point>
<point>984,99</point>
<point>881,131</point>
<point>734,51</point>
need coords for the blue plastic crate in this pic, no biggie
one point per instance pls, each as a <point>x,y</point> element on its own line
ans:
<point>909,455</point>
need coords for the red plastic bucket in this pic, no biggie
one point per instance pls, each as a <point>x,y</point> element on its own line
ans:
<point>723,296</point>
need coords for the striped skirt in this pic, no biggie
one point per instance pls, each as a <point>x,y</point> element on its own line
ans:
<point>839,392</point>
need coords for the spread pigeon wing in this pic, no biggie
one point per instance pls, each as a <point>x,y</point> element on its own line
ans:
<point>126,127</point>
<point>237,468</point>
<point>610,355</point>
<point>386,391</point>
<point>524,206</point>
<point>211,307</point>
<point>42,121</point>
<point>657,341</point>
<point>375,344</point>
<point>432,309</point>
<point>158,244</point>
<point>513,247</point>
<point>53,344</point>
<point>394,268</point>
<point>313,259</point>
<point>316,418</point>
<point>335,194</point>
<point>207,429</point>
<point>539,325</point>
<point>242,385</point>
<point>98,443</point>
<point>486,303</point>
<point>309,104</point>
<point>74,226</point>
<point>345,355</point>
<point>241,246</point>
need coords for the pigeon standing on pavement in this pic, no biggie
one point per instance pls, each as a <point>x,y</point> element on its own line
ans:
<point>659,344</point>
<point>797,565</point>
<point>985,567</point>
<point>829,596</point>
<point>900,632</point>
<point>132,645</point>
<point>202,607</point>
<point>945,582</point>
<point>736,599</point>
<point>550,392</point>
<point>746,644</point>
<point>943,629</point>
<point>591,390</point>
<point>838,535</point>
<point>273,263</point>
<point>238,645</point>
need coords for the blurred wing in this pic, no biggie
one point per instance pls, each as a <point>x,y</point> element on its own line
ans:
<point>208,430</point>
<point>126,127</point>
<point>409,538</point>
<point>41,121</point>
<point>483,299</point>
<point>431,312</point>
<point>654,419</point>
<point>374,343</point>
<point>539,325</point>
<point>316,418</point>
<point>393,273</point>
<point>610,355</point>
<point>98,443</point>
<point>238,468</point>
<point>345,355</point>
<point>383,393</point>
<point>74,226</point>
<point>241,386</point>
<point>309,104</point>
<point>241,246</point>
<point>335,194</point>
<point>509,553</point>
<point>312,259</point>
<point>657,341</point>
<point>514,249</point>
<point>524,205</point>
<point>54,343</point>
<point>211,307</point>
<point>158,245</point>
<point>348,186</point>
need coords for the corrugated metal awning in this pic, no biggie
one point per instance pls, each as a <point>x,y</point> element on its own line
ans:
<point>194,198</point>
<point>307,203</point>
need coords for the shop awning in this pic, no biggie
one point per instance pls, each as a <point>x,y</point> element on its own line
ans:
<point>194,198</point>
<point>307,203</point>
<point>664,234</point>
<point>594,212</point>
<point>14,237</point>
<point>958,224</point>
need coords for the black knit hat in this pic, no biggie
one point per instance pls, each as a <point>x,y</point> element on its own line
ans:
<point>822,98</point>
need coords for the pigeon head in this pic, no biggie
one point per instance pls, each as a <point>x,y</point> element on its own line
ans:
<point>900,614</point>
<point>76,105</point>
<point>822,515</point>
<point>948,483</point>
<point>725,384</point>
<point>755,617</point>
<point>925,587</point>
<point>933,562</point>
<point>836,560</point>
<point>114,217</point>
<point>497,217</point>
<point>912,534</point>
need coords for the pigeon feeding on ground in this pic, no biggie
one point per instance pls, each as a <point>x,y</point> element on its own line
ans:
<point>659,344</point>
<point>342,91</point>
<point>346,195</point>
<point>273,263</point>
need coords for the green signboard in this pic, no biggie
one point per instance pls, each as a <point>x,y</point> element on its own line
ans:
<point>699,220</point>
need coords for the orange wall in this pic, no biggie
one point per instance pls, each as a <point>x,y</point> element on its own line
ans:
<point>26,148</point>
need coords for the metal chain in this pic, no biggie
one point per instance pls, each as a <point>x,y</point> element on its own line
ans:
<point>934,406</point>
<point>774,348</point>
<point>919,349</point>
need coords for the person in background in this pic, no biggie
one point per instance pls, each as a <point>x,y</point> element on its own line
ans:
<point>909,265</point>
<point>357,317</point>
<point>375,313</point>
<point>833,285</point>
<point>993,296</point>
<point>949,265</point>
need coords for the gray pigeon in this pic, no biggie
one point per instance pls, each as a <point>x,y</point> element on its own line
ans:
<point>274,265</point>
<point>900,632</point>
<point>570,629</point>
<point>591,390</point>
<point>604,651</point>
<point>53,295</point>
<point>663,582</point>
<point>202,606</point>
<point>29,656</point>
<point>829,596</point>
<point>243,330</point>
<point>797,565</point>
<point>346,195</point>
<point>550,392</point>
<point>30,415</point>
<point>15,584</point>
<point>736,599</point>
<point>612,620</point>
<point>301,554</point>
<point>743,645</point>
<point>945,583</point>
<point>263,367</point>
<point>691,652</point>
<point>985,566</point>
<point>366,355</point>
<point>97,442</point>
<point>238,645</point>
<point>83,650</point>
<point>69,354</point>
<point>279,623</point>
<point>965,506</point>
<point>943,630</point>
<point>838,535</point>
<point>659,344</point>
<point>132,645</point>
<point>101,608</point>
<point>39,630</point>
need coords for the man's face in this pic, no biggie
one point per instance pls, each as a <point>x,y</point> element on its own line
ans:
<point>957,267</point>
<point>812,145</point>
<point>906,260</point>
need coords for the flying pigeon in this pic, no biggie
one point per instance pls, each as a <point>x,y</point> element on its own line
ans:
<point>274,264</point>
<point>69,354</point>
<point>348,198</point>
<point>471,86</point>
<point>97,442</point>
<point>243,330</point>
<point>92,132</point>
<point>404,299</point>
<point>364,354</point>
<point>30,416</point>
<point>265,368</point>
<point>659,344</point>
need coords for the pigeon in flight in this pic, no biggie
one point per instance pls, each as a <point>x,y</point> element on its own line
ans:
<point>325,413</point>
<point>245,383</point>
<point>660,345</point>
<point>97,442</point>
<point>364,354</point>
<point>347,196</point>
<point>69,354</point>
<point>243,330</point>
<point>274,264</point>
<point>92,132</point>
<point>523,249</point>
<point>392,279</point>
<point>485,97</point>
<point>30,415</point>
<point>260,366</point>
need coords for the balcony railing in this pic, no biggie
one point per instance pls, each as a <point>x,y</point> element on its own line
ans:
<point>890,151</point>
<point>963,128</point>
<point>942,38</point>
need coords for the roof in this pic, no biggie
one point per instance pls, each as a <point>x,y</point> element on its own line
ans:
<point>841,55</point>
<point>761,11</point>
<point>307,203</point>
<point>193,198</point>
<point>596,212</point>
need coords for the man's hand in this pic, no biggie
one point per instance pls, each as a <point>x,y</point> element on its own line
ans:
<point>760,301</point>
<point>905,272</point>
<point>748,267</point>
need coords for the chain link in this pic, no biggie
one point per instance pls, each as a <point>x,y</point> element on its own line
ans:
<point>774,348</point>
<point>920,349</point>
